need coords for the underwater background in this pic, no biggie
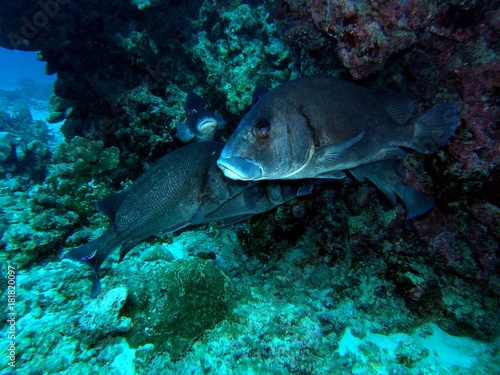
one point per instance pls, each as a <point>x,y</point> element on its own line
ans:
<point>329,283</point>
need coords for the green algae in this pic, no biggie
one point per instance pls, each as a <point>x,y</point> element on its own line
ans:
<point>191,297</point>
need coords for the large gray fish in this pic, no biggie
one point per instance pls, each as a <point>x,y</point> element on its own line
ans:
<point>317,127</point>
<point>202,122</point>
<point>182,189</point>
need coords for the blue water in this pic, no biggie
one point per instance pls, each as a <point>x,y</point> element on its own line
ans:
<point>16,65</point>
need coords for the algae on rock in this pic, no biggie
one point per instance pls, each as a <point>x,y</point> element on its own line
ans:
<point>77,177</point>
<point>188,296</point>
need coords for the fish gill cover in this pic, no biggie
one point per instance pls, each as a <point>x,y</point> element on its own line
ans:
<point>330,284</point>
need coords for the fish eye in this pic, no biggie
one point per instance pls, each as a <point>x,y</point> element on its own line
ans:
<point>263,130</point>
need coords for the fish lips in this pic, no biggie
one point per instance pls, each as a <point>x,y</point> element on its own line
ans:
<point>238,168</point>
<point>206,125</point>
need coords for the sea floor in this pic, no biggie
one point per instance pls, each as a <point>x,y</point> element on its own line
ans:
<point>284,320</point>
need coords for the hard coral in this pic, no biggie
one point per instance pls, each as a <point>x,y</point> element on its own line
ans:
<point>41,218</point>
<point>366,33</point>
<point>240,50</point>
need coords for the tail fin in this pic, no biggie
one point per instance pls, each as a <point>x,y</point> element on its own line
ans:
<point>94,253</point>
<point>434,128</point>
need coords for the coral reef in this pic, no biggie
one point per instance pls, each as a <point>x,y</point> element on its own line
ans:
<point>24,145</point>
<point>306,311</point>
<point>127,87</point>
<point>101,318</point>
<point>333,283</point>
<point>243,38</point>
<point>39,219</point>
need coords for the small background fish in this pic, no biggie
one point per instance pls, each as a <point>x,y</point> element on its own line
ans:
<point>202,122</point>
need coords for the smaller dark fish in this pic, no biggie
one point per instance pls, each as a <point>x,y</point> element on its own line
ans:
<point>259,198</point>
<point>183,189</point>
<point>202,122</point>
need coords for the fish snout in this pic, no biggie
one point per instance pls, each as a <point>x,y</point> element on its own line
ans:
<point>238,168</point>
<point>207,125</point>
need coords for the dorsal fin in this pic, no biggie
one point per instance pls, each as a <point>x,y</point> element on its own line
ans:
<point>398,106</point>
<point>109,205</point>
<point>258,92</point>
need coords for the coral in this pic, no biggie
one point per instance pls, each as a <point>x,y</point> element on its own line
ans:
<point>366,33</point>
<point>123,79</point>
<point>43,216</point>
<point>24,145</point>
<point>191,296</point>
<point>408,355</point>
<point>310,310</point>
<point>12,152</point>
<point>21,124</point>
<point>58,110</point>
<point>102,317</point>
<point>83,158</point>
<point>240,51</point>
<point>76,176</point>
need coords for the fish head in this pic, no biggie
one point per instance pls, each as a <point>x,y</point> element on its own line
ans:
<point>272,141</point>
<point>201,119</point>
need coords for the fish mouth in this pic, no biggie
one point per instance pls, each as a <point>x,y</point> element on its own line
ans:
<point>206,125</point>
<point>240,168</point>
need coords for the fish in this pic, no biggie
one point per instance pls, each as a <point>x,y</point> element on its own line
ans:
<point>317,127</point>
<point>258,92</point>
<point>202,122</point>
<point>259,198</point>
<point>320,127</point>
<point>183,189</point>
<point>386,177</point>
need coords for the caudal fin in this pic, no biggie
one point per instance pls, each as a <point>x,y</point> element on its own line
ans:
<point>94,253</point>
<point>434,128</point>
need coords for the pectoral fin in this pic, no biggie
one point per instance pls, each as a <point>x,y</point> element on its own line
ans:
<point>184,133</point>
<point>221,123</point>
<point>197,218</point>
<point>329,154</point>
